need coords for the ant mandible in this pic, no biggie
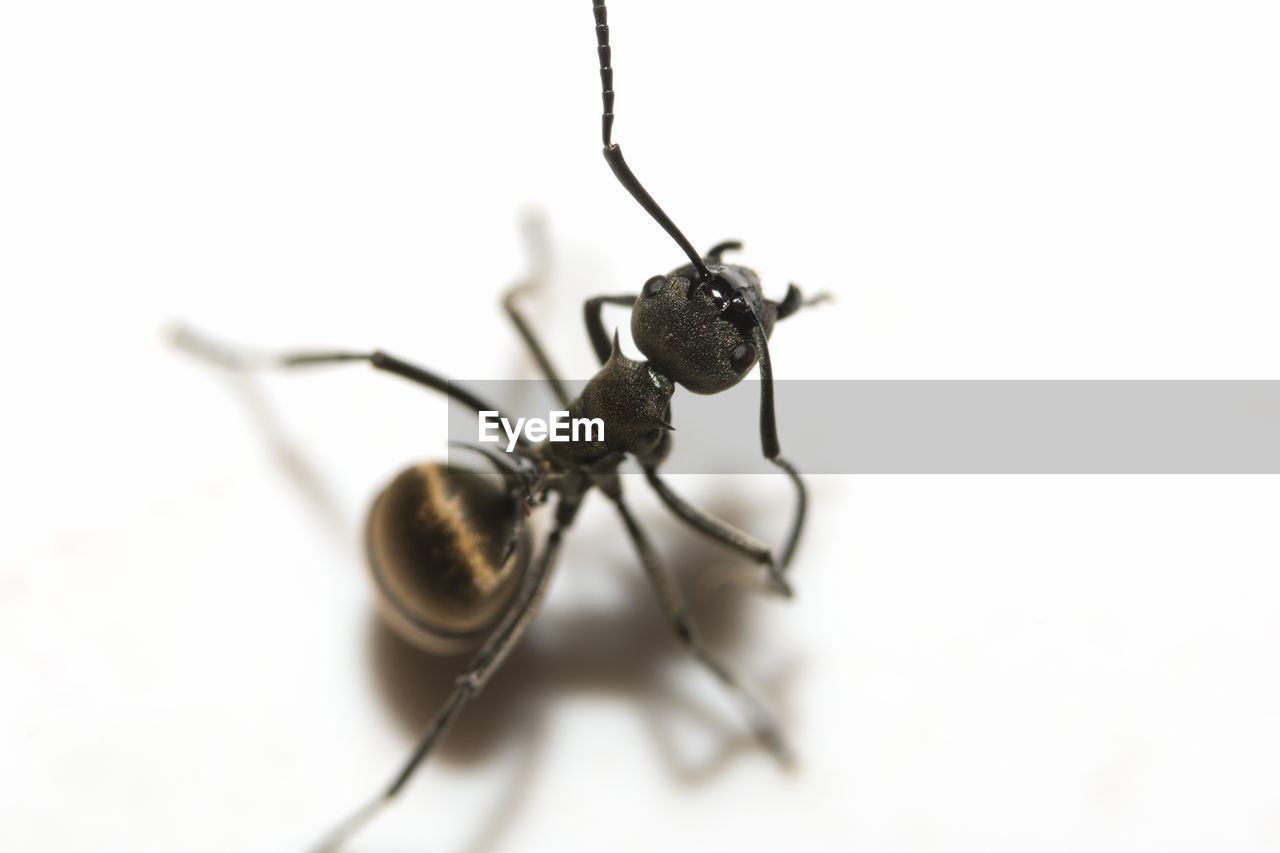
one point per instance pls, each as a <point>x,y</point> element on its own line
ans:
<point>451,556</point>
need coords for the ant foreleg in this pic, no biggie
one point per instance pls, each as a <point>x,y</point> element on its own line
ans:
<point>772,449</point>
<point>673,604</point>
<point>793,302</point>
<point>536,248</point>
<point>481,668</point>
<point>602,341</point>
<point>724,533</point>
<point>535,346</point>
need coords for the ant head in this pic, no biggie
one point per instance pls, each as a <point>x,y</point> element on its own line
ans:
<point>698,330</point>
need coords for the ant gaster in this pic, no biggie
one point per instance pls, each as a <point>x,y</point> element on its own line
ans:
<point>452,559</point>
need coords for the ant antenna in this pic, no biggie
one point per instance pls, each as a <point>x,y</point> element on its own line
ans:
<point>613,154</point>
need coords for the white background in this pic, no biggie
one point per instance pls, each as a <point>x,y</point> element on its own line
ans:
<point>188,653</point>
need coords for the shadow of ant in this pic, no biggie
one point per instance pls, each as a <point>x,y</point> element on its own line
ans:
<point>628,650</point>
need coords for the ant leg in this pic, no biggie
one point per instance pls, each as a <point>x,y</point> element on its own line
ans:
<point>797,520</point>
<point>724,533</point>
<point>793,301</point>
<point>672,601</point>
<point>772,449</point>
<point>536,247</point>
<point>790,303</point>
<point>477,674</point>
<point>602,341</point>
<point>535,347</point>
<point>240,359</point>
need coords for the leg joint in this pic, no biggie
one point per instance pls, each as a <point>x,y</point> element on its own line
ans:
<point>470,683</point>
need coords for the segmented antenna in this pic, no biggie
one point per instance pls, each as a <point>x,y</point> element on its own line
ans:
<point>606,71</point>
<point>613,154</point>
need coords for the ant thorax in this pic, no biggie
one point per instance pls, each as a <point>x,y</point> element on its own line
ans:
<point>631,398</point>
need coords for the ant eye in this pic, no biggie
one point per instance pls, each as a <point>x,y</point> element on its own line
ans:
<point>653,286</point>
<point>743,357</point>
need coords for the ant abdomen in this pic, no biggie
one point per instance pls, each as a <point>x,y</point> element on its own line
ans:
<point>434,541</point>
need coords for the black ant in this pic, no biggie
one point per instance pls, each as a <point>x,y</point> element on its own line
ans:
<point>449,550</point>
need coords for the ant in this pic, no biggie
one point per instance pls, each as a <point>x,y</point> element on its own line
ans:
<point>449,550</point>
